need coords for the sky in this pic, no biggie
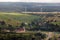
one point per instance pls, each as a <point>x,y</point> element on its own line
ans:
<point>43,1</point>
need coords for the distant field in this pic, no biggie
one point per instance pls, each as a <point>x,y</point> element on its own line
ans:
<point>13,18</point>
<point>14,14</point>
<point>56,23</point>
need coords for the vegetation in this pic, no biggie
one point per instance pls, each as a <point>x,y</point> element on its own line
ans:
<point>33,24</point>
<point>22,36</point>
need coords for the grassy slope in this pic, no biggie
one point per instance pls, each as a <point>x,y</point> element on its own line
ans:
<point>13,18</point>
<point>56,23</point>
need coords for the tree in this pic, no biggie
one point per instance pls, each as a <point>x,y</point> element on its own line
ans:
<point>42,36</point>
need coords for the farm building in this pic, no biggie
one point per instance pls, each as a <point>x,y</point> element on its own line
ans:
<point>19,30</point>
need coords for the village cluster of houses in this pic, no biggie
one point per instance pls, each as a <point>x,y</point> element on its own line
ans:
<point>18,30</point>
<point>10,29</point>
<point>39,25</point>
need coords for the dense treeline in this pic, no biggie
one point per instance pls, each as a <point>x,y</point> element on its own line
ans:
<point>35,25</point>
<point>22,36</point>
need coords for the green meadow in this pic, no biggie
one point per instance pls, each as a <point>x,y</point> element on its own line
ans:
<point>15,18</point>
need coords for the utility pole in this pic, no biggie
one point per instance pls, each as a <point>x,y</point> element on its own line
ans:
<point>25,9</point>
<point>41,10</point>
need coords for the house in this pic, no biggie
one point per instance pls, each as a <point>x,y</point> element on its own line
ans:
<point>20,30</point>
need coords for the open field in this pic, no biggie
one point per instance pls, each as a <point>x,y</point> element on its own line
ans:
<point>18,17</point>
<point>42,12</point>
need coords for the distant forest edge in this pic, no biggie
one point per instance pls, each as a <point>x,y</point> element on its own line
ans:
<point>29,7</point>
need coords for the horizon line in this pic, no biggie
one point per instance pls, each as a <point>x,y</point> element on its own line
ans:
<point>30,2</point>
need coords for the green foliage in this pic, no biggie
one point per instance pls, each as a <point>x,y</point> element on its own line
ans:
<point>58,23</point>
<point>20,36</point>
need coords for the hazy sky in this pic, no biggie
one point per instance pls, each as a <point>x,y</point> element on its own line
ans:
<point>47,1</point>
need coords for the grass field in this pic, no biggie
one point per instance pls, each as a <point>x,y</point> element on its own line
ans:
<point>56,23</point>
<point>13,18</point>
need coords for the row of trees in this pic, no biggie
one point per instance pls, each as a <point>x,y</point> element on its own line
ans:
<point>52,27</point>
<point>22,36</point>
<point>32,26</point>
